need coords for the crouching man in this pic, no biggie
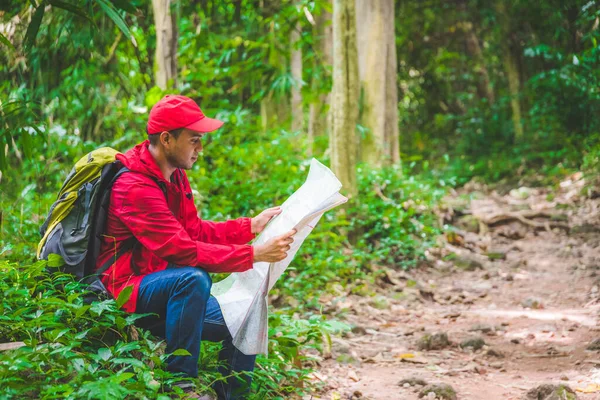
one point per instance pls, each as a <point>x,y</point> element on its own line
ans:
<point>157,243</point>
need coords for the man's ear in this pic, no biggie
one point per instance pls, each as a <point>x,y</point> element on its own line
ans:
<point>164,137</point>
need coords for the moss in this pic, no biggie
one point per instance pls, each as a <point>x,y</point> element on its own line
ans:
<point>437,341</point>
<point>441,390</point>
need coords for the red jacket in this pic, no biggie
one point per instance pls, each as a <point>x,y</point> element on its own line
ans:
<point>168,229</point>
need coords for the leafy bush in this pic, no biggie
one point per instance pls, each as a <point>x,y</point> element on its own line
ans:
<point>72,350</point>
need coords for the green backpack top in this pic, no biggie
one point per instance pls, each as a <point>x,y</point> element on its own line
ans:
<point>77,219</point>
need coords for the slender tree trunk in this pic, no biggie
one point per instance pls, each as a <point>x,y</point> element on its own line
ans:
<point>166,43</point>
<point>484,87</point>
<point>343,139</point>
<point>296,63</point>
<point>318,114</point>
<point>378,74</point>
<point>511,68</point>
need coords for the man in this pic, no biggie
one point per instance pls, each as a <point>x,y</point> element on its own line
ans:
<point>153,207</point>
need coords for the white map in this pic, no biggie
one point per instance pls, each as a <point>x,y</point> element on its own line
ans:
<point>243,295</point>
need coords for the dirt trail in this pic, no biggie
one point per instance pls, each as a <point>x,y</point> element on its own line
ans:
<point>529,288</point>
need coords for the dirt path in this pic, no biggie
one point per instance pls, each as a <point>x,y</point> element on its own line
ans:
<point>534,303</point>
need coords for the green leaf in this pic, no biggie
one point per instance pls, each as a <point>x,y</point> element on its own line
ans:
<point>181,352</point>
<point>34,25</point>
<point>104,353</point>
<point>3,164</point>
<point>27,144</point>
<point>127,348</point>
<point>134,362</point>
<point>99,307</point>
<point>55,260</point>
<point>7,42</point>
<point>71,8</point>
<point>124,296</point>
<point>125,5</point>
<point>112,13</point>
<point>81,310</point>
<point>123,376</point>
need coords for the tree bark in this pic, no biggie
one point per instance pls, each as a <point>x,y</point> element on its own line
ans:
<point>378,75</point>
<point>166,44</point>
<point>511,68</point>
<point>343,140</point>
<point>473,49</point>
<point>318,121</point>
<point>296,64</point>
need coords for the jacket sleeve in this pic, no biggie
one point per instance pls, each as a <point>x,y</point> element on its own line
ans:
<point>143,209</point>
<point>233,231</point>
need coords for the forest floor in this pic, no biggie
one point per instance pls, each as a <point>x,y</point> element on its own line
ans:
<point>520,276</point>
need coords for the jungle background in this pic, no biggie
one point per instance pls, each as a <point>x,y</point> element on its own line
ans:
<point>425,110</point>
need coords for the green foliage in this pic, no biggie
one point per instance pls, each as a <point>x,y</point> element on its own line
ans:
<point>443,111</point>
<point>72,350</point>
<point>76,350</point>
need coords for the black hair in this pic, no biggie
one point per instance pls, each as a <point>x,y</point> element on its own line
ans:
<point>154,138</point>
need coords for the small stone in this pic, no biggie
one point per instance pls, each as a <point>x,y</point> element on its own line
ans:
<point>481,328</point>
<point>359,330</point>
<point>551,392</point>
<point>496,255</point>
<point>496,365</point>
<point>442,391</point>
<point>406,385</point>
<point>475,343</point>
<point>533,303</point>
<point>494,353</point>
<point>594,345</point>
<point>468,223</point>
<point>564,378</point>
<point>412,381</point>
<point>515,341</point>
<point>467,264</point>
<point>437,341</point>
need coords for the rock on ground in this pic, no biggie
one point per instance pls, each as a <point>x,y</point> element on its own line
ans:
<point>441,390</point>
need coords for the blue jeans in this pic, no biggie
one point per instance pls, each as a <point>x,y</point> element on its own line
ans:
<point>188,314</point>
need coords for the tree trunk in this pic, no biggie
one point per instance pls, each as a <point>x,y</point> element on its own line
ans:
<point>484,87</point>
<point>166,44</point>
<point>378,75</point>
<point>296,61</point>
<point>318,114</point>
<point>510,68</point>
<point>343,140</point>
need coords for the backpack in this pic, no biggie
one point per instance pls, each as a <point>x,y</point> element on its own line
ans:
<point>77,219</point>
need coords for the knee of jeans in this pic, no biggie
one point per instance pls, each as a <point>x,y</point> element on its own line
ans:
<point>200,280</point>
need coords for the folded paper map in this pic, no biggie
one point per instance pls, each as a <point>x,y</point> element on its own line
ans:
<point>243,295</point>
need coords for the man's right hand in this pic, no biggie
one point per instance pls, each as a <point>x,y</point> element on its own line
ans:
<point>275,249</point>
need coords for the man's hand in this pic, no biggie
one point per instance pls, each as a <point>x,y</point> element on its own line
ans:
<point>260,221</point>
<point>275,249</point>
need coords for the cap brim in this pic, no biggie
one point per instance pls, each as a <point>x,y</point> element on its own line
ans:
<point>205,125</point>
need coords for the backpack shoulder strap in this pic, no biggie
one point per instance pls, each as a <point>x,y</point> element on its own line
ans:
<point>132,242</point>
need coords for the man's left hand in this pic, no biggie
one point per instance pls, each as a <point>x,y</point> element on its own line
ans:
<point>260,221</point>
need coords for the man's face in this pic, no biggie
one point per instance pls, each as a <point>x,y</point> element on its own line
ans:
<point>182,152</point>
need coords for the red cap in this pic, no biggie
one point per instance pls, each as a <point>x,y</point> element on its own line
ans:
<point>175,112</point>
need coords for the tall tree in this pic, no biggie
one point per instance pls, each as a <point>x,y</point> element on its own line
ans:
<point>165,22</point>
<point>296,64</point>
<point>511,67</point>
<point>484,87</point>
<point>379,78</point>
<point>343,139</point>
<point>318,116</point>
